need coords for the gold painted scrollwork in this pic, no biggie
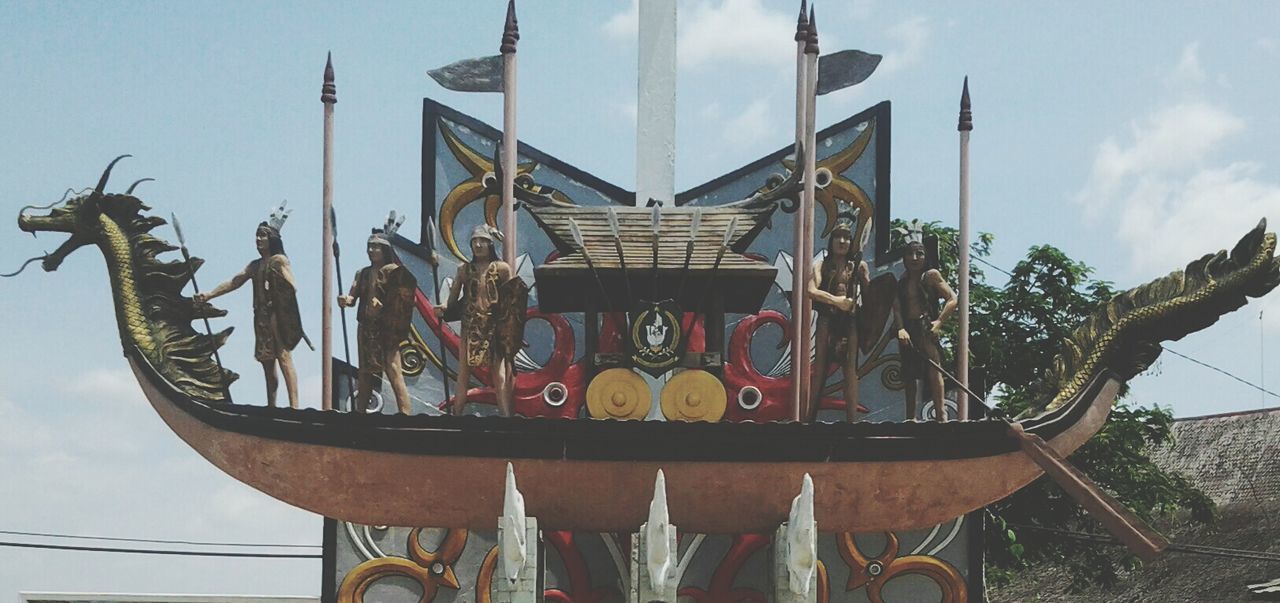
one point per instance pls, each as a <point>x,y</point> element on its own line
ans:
<point>431,569</point>
<point>484,579</point>
<point>875,572</point>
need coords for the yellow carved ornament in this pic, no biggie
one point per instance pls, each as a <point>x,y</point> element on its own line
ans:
<point>694,395</point>
<point>618,393</point>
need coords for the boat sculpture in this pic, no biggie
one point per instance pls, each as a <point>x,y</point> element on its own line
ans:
<point>441,470</point>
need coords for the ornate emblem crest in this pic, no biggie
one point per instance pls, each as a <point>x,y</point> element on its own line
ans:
<point>656,339</point>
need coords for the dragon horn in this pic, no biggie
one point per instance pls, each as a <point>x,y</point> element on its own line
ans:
<point>136,183</point>
<point>102,182</point>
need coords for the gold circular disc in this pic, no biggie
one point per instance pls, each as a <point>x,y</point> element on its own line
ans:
<point>618,393</point>
<point>694,395</point>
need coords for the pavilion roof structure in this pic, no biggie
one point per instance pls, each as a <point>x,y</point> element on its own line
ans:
<point>566,283</point>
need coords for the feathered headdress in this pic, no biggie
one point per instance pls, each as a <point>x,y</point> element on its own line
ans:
<point>275,221</point>
<point>383,235</point>
<point>913,233</point>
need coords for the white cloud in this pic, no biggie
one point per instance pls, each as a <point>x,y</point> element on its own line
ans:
<point>1167,142</point>
<point>720,31</point>
<point>1188,71</point>
<point>91,457</point>
<point>751,125</point>
<point>910,38</point>
<point>624,25</point>
<point>735,31</point>
<point>1270,46</point>
<point>1170,194</point>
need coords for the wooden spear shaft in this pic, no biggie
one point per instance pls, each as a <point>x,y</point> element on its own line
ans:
<point>510,35</point>
<point>799,405</point>
<point>328,96</point>
<point>807,205</point>
<point>962,346</point>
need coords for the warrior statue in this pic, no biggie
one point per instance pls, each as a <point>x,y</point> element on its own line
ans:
<point>385,291</point>
<point>835,287</point>
<point>277,326</point>
<point>493,303</point>
<point>919,323</point>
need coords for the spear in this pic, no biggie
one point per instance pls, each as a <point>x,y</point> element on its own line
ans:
<point>688,249</point>
<point>328,96</point>
<point>191,271</point>
<point>510,35</point>
<point>657,223</point>
<point>962,344</point>
<point>617,244</point>
<point>586,255</point>
<point>337,265</point>
<point>724,246</point>
<point>797,259</point>
<point>435,280</point>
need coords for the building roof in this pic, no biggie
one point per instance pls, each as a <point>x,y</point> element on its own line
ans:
<point>1232,458</point>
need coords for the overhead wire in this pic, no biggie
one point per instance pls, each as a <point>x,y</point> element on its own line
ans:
<point>99,549</point>
<point>156,541</point>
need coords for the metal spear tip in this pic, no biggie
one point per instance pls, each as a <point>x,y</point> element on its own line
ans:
<point>613,222</point>
<point>811,41</point>
<point>177,229</point>
<point>328,91</point>
<point>577,234</point>
<point>966,109</point>
<point>802,23</point>
<point>728,234</point>
<point>510,30</point>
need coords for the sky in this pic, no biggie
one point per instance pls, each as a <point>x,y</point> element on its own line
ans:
<point>1134,136</point>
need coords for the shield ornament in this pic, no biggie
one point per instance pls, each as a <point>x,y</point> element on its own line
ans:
<point>656,337</point>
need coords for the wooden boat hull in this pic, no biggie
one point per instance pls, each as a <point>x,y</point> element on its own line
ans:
<point>370,470</point>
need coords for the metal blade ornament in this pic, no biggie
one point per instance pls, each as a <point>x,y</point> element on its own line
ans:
<point>481,74</point>
<point>840,70</point>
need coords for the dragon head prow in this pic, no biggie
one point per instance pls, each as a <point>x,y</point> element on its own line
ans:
<point>1125,334</point>
<point>154,316</point>
<point>79,216</point>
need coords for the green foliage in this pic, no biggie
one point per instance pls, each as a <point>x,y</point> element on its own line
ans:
<point>1015,330</point>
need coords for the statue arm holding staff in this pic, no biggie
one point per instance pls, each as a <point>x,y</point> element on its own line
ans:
<point>815,292</point>
<point>232,284</point>
<point>455,290</point>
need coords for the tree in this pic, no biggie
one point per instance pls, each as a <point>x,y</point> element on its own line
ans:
<point>1015,330</point>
